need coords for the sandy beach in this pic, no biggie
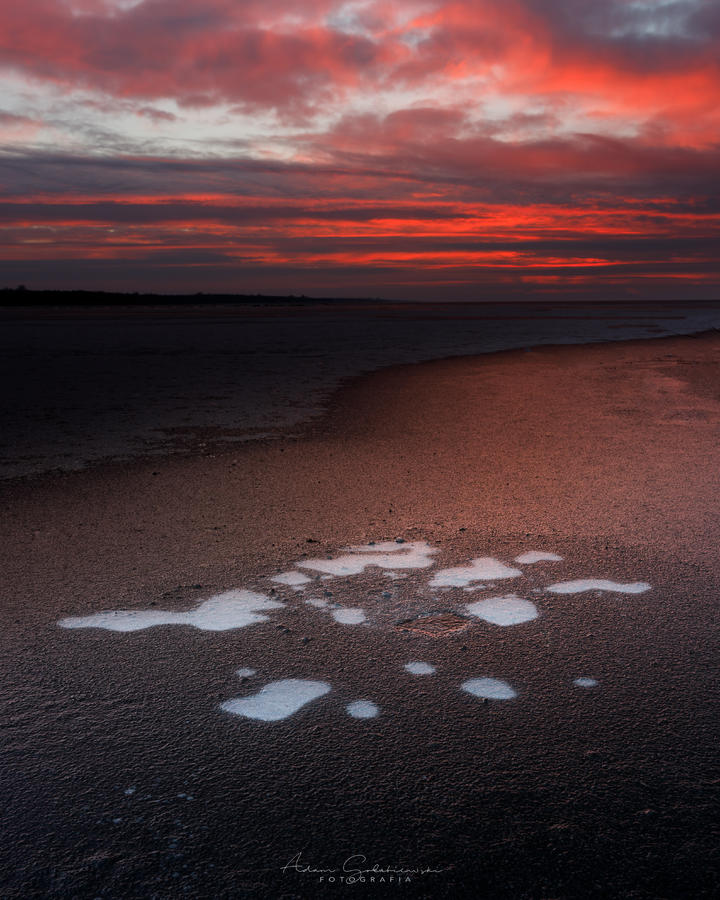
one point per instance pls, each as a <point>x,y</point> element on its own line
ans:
<point>129,780</point>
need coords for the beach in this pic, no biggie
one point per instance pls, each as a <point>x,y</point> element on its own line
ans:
<point>131,777</point>
<point>84,385</point>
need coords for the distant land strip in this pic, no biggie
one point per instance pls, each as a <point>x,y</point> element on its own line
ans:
<point>22,296</point>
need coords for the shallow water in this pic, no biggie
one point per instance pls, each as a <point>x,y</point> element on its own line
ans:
<point>83,386</point>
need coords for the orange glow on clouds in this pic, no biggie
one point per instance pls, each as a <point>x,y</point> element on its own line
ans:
<point>322,146</point>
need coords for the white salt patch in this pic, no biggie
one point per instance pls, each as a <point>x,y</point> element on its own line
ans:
<point>317,602</point>
<point>419,668</point>
<point>351,616</point>
<point>508,610</point>
<point>233,609</point>
<point>485,568</point>
<point>362,709</point>
<point>536,556</point>
<point>292,578</point>
<point>598,584</point>
<point>277,700</point>
<point>492,688</point>
<point>476,587</point>
<point>585,682</point>
<point>386,555</point>
<point>246,673</point>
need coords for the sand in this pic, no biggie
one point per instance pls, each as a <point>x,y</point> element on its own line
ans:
<point>128,779</point>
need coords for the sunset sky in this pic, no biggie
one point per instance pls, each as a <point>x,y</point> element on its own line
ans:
<point>470,149</point>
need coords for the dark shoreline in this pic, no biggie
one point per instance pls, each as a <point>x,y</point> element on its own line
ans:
<point>207,444</point>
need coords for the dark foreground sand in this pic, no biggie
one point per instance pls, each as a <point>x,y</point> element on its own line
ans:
<point>607,455</point>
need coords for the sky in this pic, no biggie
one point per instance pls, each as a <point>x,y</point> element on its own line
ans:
<point>404,149</point>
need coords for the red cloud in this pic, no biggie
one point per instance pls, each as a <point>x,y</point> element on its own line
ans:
<point>556,143</point>
<point>183,49</point>
<point>472,217</point>
<point>298,57</point>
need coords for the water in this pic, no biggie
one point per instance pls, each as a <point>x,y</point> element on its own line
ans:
<point>88,385</point>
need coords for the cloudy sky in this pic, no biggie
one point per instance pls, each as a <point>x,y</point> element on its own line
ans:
<point>400,148</point>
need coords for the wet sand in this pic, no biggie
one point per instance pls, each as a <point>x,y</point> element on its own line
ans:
<point>605,455</point>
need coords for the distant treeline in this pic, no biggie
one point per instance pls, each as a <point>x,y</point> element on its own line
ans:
<point>22,296</point>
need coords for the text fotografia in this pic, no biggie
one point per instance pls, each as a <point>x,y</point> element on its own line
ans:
<point>356,870</point>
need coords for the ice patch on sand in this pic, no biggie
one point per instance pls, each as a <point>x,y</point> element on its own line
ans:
<point>489,688</point>
<point>536,556</point>
<point>508,610</point>
<point>277,700</point>
<point>246,673</point>
<point>585,682</point>
<point>232,609</point>
<point>350,616</point>
<point>419,668</point>
<point>598,584</point>
<point>291,578</point>
<point>386,555</point>
<point>484,568</point>
<point>317,602</point>
<point>362,709</point>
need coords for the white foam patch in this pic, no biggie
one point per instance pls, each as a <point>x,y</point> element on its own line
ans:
<point>419,668</point>
<point>350,616</point>
<point>536,556</point>
<point>317,602</point>
<point>232,609</point>
<point>386,555</point>
<point>598,584</point>
<point>508,610</point>
<point>585,682</point>
<point>277,700</point>
<point>485,568</point>
<point>363,709</point>
<point>291,578</point>
<point>246,673</point>
<point>489,688</point>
